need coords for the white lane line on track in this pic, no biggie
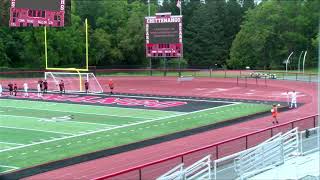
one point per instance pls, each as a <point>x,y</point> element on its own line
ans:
<point>118,127</point>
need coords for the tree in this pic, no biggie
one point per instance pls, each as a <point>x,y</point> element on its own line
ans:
<point>272,31</point>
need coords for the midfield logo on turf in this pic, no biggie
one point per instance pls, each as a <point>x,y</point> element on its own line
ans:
<point>150,103</point>
<point>58,119</point>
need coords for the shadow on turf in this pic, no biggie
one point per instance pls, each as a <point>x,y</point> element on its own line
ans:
<point>124,148</point>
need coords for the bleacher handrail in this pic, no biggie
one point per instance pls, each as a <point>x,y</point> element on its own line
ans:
<point>139,167</point>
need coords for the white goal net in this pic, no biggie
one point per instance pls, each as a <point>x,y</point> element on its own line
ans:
<point>73,82</point>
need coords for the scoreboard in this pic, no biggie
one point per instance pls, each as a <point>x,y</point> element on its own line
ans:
<point>164,35</point>
<point>35,13</point>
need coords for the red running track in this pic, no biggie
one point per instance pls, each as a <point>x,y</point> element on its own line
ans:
<point>202,87</point>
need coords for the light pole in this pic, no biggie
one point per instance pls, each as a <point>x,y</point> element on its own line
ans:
<point>304,61</point>
<point>288,60</point>
<point>149,8</point>
<point>299,61</point>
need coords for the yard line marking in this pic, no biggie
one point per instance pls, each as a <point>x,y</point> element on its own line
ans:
<point>75,112</point>
<point>49,120</point>
<point>118,127</point>
<point>9,127</point>
<point>1,142</point>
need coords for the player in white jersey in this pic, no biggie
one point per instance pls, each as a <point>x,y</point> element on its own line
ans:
<point>25,87</point>
<point>0,90</point>
<point>288,97</point>
<point>39,90</point>
<point>294,99</point>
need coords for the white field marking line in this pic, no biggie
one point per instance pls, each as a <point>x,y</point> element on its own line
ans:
<point>108,129</point>
<point>135,117</point>
<point>49,120</point>
<point>9,127</point>
<point>1,142</point>
<point>12,167</point>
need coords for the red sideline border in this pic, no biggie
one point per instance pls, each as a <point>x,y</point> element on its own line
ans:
<point>205,147</point>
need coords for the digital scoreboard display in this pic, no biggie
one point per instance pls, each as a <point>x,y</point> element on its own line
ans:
<point>35,13</point>
<point>53,5</point>
<point>164,35</point>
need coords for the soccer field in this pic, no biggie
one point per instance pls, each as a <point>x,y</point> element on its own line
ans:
<point>34,132</point>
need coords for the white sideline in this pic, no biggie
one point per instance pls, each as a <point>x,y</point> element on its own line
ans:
<point>10,127</point>
<point>118,127</point>
<point>157,97</point>
<point>11,168</point>
<point>75,112</point>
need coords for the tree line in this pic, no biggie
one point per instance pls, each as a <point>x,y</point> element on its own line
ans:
<point>217,34</point>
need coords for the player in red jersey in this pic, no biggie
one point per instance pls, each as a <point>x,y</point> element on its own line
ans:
<point>111,86</point>
<point>15,89</point>
<point>274,112</point>
<point>10,85</point>
<point>61,87</point>
<point>45,86</point>
<point>86,86</point>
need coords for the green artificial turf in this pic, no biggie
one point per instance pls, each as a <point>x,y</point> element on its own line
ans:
<point>32,133</point>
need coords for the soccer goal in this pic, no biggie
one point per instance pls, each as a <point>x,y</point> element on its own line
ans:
<point>73,82</point>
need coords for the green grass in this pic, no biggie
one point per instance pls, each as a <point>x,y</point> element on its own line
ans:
<point>292,72</point>
<point>200,73</point>
<point>92,128</point>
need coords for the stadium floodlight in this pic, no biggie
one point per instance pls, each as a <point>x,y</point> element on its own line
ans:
<point>299,60</point>
<point>288,61</point>
<point>304,61</point>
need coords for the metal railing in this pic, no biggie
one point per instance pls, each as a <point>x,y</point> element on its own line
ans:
<point>217,150</point>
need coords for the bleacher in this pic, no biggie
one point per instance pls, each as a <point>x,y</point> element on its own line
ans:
<point>276,158</point>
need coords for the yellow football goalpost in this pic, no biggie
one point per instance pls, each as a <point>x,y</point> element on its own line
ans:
<point>78,70</point>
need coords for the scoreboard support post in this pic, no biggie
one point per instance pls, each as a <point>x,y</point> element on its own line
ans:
<point>165,67</point>
<point>179,66</point>
<point>150,65</point>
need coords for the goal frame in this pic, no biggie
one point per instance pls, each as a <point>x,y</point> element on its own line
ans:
<point>75,73</point>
